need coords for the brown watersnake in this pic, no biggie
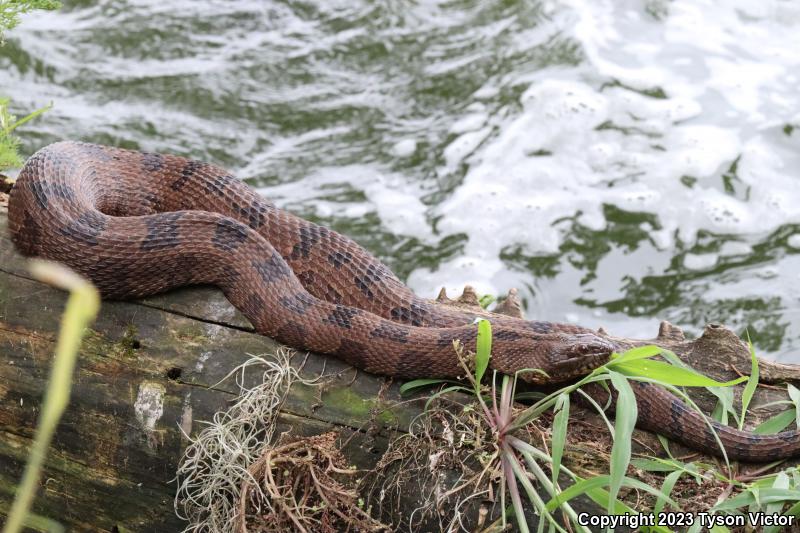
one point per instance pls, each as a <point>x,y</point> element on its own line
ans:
<point>138,224</point>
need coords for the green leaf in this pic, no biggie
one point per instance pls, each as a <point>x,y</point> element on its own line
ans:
<point>483,349</point>
<point>776,424</point>
<point>655,465</point>
<point>641,352</point>
<point>486,300</point>
<point>408,386</point>
<point>794,510</point>
<point>625,419</point>
<point>513,491</point>
<point>767,495</point>
<point>41,523</point>
<point>584,486</point>
<point>752,383</point>
<point>794,394</point>
<point>781,482</point>
<point>667,373</point>
<point>666,490</point>
<point>599,496</point>
<point>28,118</point>
<point>82,307</point>
<point>559,437</point>
<point>445,391</point>
<point>724,405</point>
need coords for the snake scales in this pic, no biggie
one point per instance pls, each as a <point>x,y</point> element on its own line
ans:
<point>142,223</point>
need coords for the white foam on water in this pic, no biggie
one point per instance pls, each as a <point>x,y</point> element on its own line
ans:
<point>396,203</point>
<point>585,137</point>
<point>582,135</point>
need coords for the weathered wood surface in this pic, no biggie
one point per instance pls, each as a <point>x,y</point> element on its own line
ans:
<point>112,460</point>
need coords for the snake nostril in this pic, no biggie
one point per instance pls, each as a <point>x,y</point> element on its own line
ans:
<point>174,373</point>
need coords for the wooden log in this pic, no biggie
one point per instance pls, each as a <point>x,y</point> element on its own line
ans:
<point>143,377</point>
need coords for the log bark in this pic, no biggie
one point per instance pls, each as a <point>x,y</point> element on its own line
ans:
<point>113,458</point>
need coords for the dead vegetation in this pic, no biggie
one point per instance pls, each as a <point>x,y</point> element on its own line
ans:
<point>302,485</point>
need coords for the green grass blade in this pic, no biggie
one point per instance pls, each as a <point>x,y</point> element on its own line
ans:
<point>513,491</point>
<point>444,391</point>
<point>599,409</point>
<point>535,410</point>
<point>641,352</point>
<point>486,300</point>
<point>28,118</point>
<point>667,373</point>
<point>550,487</point>
<point>765,496</point>
<point>794,394</point>
<point>599,496</point>
<point>41,523</point>
<point>82,307</point>
<point>656,465</point>
<point>483,349</point>
<point>625,420</point>
<point>776,424</point>
<point>666,490</point>
<point>781,482</point>
<point>583,486</point>
<point>724,406</point>
<point>533,496</point>
<point>408,386</point>
<point>752,383</point>
<point>559,438</point>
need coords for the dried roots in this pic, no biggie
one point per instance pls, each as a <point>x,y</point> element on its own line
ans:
<point>302,485</point>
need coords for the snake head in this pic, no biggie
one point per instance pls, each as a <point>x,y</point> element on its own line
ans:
<point>569,356</point>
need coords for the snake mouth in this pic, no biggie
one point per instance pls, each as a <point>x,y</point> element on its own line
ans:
<point>577,355</point>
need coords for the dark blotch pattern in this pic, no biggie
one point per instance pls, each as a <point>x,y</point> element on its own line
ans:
<point>293,334</point>
<point>306,277</point>
<point>507,335</point>
<point>390,332</point>
<point>337,259</point>
<point>86,228</point>
<point>152,162</point>
<point>63,191</point>
<point>676,413</point>
<point>297,303</point>
<point>410,362</point>
<point>162,231</point>
<point>541,327</point>
<point>445,339</point>
<point>414,314</point>
<point>41,192</point>
<point>355,351</point>
<point>309,236</point>
<point>332,295</point>
<point>341,316</point>
<point>255,214</point>
<point>365,282</point>
<point>272,269</point>
<point>254,305</point>
<point>28,237</point>
<point>229,234</point>
<point>219,184</point>
<point>187,172</point>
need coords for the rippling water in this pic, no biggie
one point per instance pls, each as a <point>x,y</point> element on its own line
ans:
<point>619,162</point>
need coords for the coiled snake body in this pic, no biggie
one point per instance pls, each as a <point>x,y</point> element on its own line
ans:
<point>141,223</point>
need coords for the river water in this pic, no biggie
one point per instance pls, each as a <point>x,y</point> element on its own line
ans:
<point>620,162</point>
